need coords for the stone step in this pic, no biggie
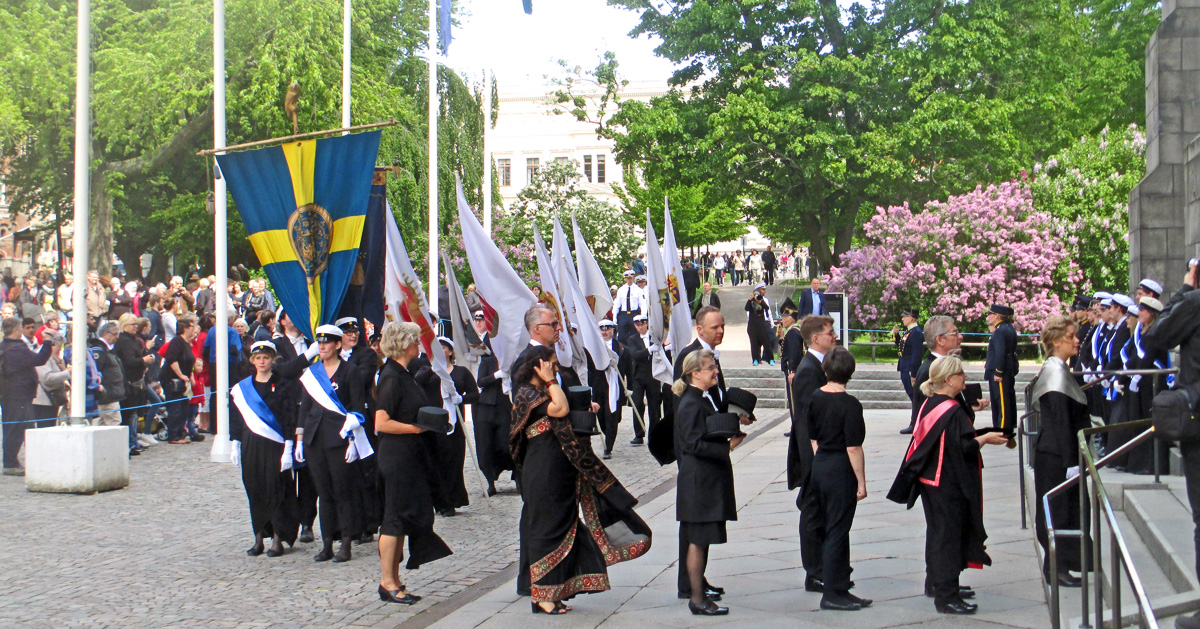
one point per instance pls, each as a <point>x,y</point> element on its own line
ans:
<point>1165,525</point>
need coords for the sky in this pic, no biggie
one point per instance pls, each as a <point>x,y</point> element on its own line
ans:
<point>521,49</point>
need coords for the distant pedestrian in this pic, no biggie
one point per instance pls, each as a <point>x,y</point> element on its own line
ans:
<point>18,387</point>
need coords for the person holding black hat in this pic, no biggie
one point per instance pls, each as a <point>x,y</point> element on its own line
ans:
<point>406,454</point>
<point>262,425</point>
<point>331,420</point>
<point>911,345</point>
<point>1000,370</point>
<point>759,324</point>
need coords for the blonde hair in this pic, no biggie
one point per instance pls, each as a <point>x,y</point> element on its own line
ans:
<point>1055,329</point>
<point>398,336</point>
<point>127,319</point>
<point>691,364</point>
<point>939,372</point>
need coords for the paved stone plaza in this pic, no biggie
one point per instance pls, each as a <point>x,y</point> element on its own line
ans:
<point>169,551</point>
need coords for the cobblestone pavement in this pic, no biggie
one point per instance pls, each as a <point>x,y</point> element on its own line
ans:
<point>169,551</point>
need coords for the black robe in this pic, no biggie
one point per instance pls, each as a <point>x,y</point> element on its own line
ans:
<point>704,486</point>
<point>493,418</point>
<point>1142,356</point>
<point>271,493</point>
<point>451,453</point>
<point>340,505</point>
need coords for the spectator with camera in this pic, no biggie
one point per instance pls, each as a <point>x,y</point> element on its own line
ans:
<point>1179,326</point>
<point>18,386</point>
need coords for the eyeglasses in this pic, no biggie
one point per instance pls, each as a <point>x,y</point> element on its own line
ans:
<point>555,325</point>
<point>954,333</point>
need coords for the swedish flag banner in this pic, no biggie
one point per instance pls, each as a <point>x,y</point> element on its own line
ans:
<point>303,205</point>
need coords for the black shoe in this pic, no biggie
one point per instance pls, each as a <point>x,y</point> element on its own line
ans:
<point>491,490</point>
<point>448,512</point>
<point>813,584</point>
<point>134,452</point>
<point>325,555</point>
<point>306,534</point>
<point>708,609</point>
<point>787,435</point>
<point>906,431</point>
<point>1066,580</point>
<point>366,538</point>
<point>397,596</point>
<point>255,550</point>
<point>964,591</point>
<point>343,554</point>
<point>959,608</point>
<point>198,437</point>
<point>607,455</point>
<point>840,603</point>
<point>862,602</point>
<point>636,441</point>
<point>711,590</point>
<point>271,552</point>
<point>708,595</point>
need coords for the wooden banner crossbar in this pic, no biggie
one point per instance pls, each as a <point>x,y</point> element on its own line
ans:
<point>297,137</point>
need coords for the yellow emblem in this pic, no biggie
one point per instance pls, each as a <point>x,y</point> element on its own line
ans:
<point>310,231</point>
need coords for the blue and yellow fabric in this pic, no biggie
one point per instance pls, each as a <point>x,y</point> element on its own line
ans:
<point>303,205</point>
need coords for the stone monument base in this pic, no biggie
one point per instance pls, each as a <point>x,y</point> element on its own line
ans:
<point>77,459</point>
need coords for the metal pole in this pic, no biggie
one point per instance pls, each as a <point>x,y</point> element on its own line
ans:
<point>1021,472</point>
<point>487,156</point>
<point>433,158</point>
<point>83,123</point>
<point>221,445</point>
<point>345,65</point>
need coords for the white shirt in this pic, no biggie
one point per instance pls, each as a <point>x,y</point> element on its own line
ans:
<point>629,298</point>
<point>704,345</point>
<point>816,302</point>
<point>819,355</point>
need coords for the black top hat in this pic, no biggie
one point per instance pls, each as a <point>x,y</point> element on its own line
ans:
<point>719,426</point>
<point>434,419</point>
<point>1002,310</point>
<point>788,308</point>
<point>583,422</point>
<point>579,398</point>
<point>740,400</point>
<point>909,312</point>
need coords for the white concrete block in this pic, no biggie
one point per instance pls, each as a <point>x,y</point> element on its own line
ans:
<point>77,459</point>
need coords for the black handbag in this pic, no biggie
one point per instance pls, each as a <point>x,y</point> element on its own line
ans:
<point>1174,413</point>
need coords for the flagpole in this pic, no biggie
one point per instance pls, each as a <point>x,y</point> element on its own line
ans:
<point>221,445</point>
<point>487,156</point>
<point>433,158</point>
<point>83,181</point>
<point>345,65</point>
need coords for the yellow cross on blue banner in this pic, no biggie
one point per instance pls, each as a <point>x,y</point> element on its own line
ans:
<point>303,205</point>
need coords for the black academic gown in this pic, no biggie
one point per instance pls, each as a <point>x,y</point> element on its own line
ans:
<point>1056,447</point>
<point>493,418</point>
<point>340,507</point>
<point>1142,356</point>
<point>608,419</point>
<point>704,485</point>
<point>289,365</point>
<point>451,449</point>
<point>271,493</point>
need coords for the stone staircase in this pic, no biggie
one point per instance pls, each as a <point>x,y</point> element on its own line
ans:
<point>878,387</point>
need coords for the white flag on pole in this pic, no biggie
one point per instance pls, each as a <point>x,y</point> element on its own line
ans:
<point>680,331</point>
<point>589,336</point>
<point>552,297</point>
<point>591,278</point>
<point>660,305</point>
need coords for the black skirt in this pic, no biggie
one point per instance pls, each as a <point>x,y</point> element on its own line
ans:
<point>274,510</point>
<point>404,466</point>
<point>704,533</point>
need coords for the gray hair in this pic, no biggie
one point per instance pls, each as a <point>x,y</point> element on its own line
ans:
<point>107,327</point>
<point>398,336</point>
<point>10,324</point>
<point>533,316</point>
<point>935,327</point>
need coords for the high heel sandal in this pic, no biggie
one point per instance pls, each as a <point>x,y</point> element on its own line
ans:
<point>558,609</point>
<point>394,596</point>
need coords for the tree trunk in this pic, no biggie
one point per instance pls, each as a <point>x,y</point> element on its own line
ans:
<point>100,224</point>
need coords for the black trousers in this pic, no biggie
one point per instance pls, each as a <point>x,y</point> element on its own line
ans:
<point>16,419</point>
<point>609,422</point>
<point>812,531</point>
<point>335,480</point>
<point>1049,471</point>
<point>835,499</point>
<point>762,341</point>
<point>908,385</point>
<point>1190,450</point>
<point>770,276</point>
<point>492,425</point>
<point>306,492</point>
<point>1004,403</point>
<point>625,327</point>
<point>647,399</point>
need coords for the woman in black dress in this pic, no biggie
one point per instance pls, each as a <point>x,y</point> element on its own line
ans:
<point>405,461</point>
<point>262,425</point>
<point>945,473</point>
<point>1062,411</point>
<point>837,430</point>
<point>1140,392</point>
<point>562,477</point>
<point>704,486</point>
<point>324,443</point>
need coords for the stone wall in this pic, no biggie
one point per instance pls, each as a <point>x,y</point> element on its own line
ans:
<point>1164,226</point>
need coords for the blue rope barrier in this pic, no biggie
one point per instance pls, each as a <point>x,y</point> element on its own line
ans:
<point>98,413</point>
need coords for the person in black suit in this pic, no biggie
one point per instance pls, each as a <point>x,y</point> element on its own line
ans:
<point>608,419</point>
<point>1000,370</point>
<point>769,265</point>
<point>793,344</point>
<point>760,326</point>
<point>812,300</point>
<point>324,448</point>
<point>295,354</point>
<point>1113,359</point>
<point>706,298</point>
<point>691,280</point>
<point>911,345</point>
<point>643,387</point>
<point>820,336</point>
<point>493,414</point>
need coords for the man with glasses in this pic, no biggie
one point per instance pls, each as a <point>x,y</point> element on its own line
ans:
<point>943,339</point>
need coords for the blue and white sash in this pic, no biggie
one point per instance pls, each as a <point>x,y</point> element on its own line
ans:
<point>255,412</point>
<point>316,382</point>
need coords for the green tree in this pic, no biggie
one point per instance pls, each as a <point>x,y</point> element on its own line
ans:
<point>699,216</point>
<point>554,190</point>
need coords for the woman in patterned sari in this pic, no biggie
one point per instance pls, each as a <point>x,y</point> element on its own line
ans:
<point>562,479</point>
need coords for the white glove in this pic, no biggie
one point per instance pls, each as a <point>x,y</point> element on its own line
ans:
<point>1106,383</point>
<point>1072,472</point>
<point>350,425</point>
<point>311,352</point>
<point>457,399</point>
<point>1120,388</point>
<point>1089,378</point>
<point>351,452</point>
<point>285,463</point>
<point>235,453</point>
<point>299,454</point>
<point>1134,383</point>
<point>499,374</point>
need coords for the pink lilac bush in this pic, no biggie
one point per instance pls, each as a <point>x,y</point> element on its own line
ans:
<point>957,258</point>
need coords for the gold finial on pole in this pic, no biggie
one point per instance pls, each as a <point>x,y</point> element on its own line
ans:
<point>289,105</point>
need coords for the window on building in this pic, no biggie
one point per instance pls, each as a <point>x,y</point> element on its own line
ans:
<point>561,160</point>
<point>504,168</point>
<point>599,169</point>
<point>587,168</point>
<point>532,164</point>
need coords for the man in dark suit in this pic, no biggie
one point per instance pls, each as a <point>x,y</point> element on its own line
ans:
<point>1000,370</point>
<point>820,336</point>
<point>691,280</point>
<point>706,298</point>
<point>608,419</point>
<point>812,300</point>
<point>644,389</point>
<point>769,265</point>
<point>911,345</point>
<point>793,344</point>
<point>942,339</point>
<point>493,416</point>
<point>760,326</point>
